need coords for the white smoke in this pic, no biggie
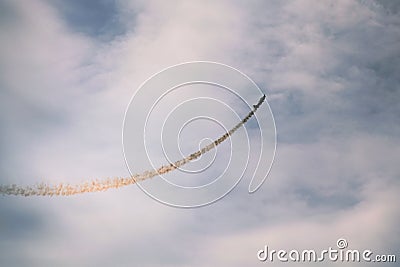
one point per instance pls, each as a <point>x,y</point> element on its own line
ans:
<point>65,189</point>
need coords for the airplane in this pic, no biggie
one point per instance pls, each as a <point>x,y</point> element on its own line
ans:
<point>260,101</point>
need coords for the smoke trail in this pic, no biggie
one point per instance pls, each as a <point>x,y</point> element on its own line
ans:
<point>102,185</point>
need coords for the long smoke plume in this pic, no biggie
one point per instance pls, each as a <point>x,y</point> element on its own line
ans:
<point>65,189</point>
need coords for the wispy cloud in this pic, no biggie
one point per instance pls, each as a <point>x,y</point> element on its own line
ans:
<point>332,73</point>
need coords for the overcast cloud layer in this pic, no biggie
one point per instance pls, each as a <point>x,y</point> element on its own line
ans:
<point>331,70</point>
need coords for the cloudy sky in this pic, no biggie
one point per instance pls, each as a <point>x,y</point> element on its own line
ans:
<point>331,70</point>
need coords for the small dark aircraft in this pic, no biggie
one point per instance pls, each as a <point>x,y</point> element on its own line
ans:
<point>259,101</point>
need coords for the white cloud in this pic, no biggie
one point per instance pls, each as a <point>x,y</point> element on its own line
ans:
<point>331,70</point>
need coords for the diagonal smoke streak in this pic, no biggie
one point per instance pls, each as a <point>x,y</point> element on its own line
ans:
<point>102,185</point>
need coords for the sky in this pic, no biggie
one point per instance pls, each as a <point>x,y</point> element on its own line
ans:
<point>331,72</point>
